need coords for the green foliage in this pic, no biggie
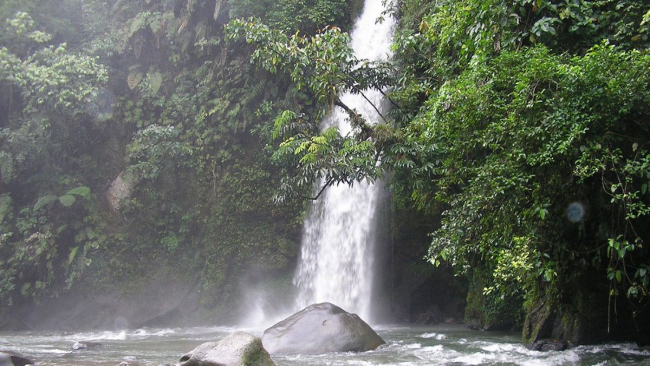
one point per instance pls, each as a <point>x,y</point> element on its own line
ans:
<point>523,124</point>
<point>150,88</point>
<point>67,200</point>
<point>325,65</point>
<point>291,16</point>
<point>47,88</point>
<point>154,148</point>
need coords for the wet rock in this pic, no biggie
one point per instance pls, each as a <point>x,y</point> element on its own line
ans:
<point>321,328</point>
<point>427,318</point>
<point>9,358</point>
<point>238,349</point>
<point>546,345</point>
<point>120,190</point>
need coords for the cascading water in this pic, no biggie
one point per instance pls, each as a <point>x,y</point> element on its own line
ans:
<point>337,247</point>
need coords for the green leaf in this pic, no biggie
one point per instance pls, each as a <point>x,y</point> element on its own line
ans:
<point>542,213</point>
<point>67,200</point>
<point>73,253</point>
<point>443,254</point>
<point>46,200</point>
<point>82,191</point>
<point>61,229</point>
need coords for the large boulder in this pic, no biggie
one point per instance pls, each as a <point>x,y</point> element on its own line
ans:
<point>8,358</point>
<point>321,328</point>
<point>237,349</point>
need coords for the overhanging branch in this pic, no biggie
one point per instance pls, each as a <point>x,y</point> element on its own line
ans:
<point>320,192</point>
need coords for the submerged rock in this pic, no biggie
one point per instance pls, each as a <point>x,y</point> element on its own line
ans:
<point>546,345</point>
<point>237,349</point>
<point>8,358</point>
<point>77,346</point>
<point>321,328</point>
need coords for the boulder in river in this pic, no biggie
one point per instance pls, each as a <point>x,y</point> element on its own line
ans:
<point>81,345</point>
<point>546,345</point>
<point>8,358</point>
<point>321,328</point>
<point>237,349</point>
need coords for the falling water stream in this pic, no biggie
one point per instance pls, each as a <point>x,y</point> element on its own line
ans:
<point>337,248</point>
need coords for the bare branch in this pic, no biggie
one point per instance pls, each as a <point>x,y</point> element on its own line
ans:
<point>327,184</point>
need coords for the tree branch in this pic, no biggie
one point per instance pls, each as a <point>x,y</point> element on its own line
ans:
<point>327,184</point>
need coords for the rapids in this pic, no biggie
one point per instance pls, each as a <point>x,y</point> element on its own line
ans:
<point>406,346</point>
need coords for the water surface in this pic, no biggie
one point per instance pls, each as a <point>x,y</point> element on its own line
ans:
<point>406,345</point>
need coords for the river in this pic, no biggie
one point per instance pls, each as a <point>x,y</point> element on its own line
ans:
<point>405,345</point>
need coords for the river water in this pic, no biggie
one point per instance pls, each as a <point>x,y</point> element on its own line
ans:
<point>405,346</point>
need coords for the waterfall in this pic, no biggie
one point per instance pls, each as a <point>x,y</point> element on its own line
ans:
<point>337,253</point>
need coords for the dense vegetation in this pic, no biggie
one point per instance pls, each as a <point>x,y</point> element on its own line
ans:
<point>134,138</point>
<point>521,125</point>
<point>528,123</point>
<point>520,130</point>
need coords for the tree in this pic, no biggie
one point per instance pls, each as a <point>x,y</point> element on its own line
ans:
<point>326,67</point>
<point>522,126</point>
<point>47,91</point>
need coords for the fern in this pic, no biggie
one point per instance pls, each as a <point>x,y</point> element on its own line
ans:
<point>81,191</point>
<point>185,19</point>
<point>67,200</point>
<point>155,81</point>
<point>137,47</point>
<point>5,206</point>
<point>139,22</point>
<point>217,9</point>
<point>43,201</point>
<point>134,79</point>
<point>6,167</point>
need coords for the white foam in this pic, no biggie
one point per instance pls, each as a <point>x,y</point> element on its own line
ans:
<point>152,332</point>
<point>107,335</point>
<point>54,351</point>
<point>499,347</point>
<point>430,353</point>
<point>553,359</point>
<point>475,358</point>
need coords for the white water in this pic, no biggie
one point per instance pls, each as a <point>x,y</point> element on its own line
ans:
<point>337,247</point>
<point>405,346</point>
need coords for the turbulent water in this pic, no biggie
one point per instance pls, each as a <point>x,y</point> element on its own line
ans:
<point>405,346</point>
<point>337,250</point>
